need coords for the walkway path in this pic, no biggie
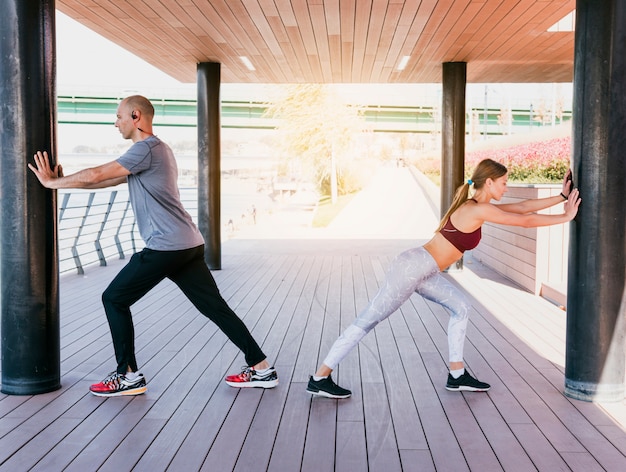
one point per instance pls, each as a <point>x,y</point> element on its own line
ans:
<point>392,206</point>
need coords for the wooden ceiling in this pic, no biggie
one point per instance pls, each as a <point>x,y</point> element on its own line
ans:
<point>339,41</point>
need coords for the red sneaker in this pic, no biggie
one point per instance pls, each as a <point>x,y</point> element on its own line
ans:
<point>115,385</point>
<point>251,378</point>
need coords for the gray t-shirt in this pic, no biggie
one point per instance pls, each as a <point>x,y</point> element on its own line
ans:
<point>163,222</point>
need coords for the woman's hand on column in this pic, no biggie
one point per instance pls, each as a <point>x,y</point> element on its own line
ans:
<point>571,204</point>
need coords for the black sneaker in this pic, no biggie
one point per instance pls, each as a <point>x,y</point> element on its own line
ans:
<point>466,383</point>
<point>327,388</point>
<point>115,385</point>
<point>251,378</point>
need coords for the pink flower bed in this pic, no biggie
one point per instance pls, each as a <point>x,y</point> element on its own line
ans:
<point>539,162</point>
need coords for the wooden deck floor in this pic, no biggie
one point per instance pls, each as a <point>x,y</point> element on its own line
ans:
<point>295,296</point>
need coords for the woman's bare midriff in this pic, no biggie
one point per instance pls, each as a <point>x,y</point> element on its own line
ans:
<point>442,250</point>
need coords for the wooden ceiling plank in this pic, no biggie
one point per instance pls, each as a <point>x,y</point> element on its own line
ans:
<point>272,33</point>
<point>374,31</point>
<point>288,59</point>
<point>398,46</point>
<point>294,39</point>
<point>550,13</point>
<point>347,14</point>
<point>347,50</point>
<point>487,26</point>
<point>334,45</point>
<point>435,11</point>
<point>419,22</point>
<point>318,20</point>
<point>228,25</point>
<point>333,31</point>
<point>201,25</point>
<point>233,21</point>
<point>301,12</point>
<point>333,18</point>
<point>388,52</point>
<point>254,28</point>
<point>114,8</point>
<point>553,12</point>
<point>338,40</point>
<point>515,23</point>
<point>258,17</point>
<point>448,49</point>
<point>375,27</point>
<point>303,20</point>
<point>361,22</point>
<point>536,46</point>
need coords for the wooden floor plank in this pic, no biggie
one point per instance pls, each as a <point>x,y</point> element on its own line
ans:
<point>319,449</point>
<point>193,450</point>
<point>544,456</point>
<point>350,448</point>
<point>106,442</point>
<point>511,455</point>
<point>409,432</point>
<point>296,297</point>
<point>259,442</point>
<point>382,447</point>
<point>81,436</point>
<point>291,435</point>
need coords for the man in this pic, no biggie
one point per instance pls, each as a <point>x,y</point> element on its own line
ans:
<point>174,249</point>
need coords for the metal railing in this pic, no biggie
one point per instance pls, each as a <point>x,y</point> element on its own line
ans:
<point>96,226</point>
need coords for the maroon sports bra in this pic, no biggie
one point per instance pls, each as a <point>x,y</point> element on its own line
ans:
<point>460,240</point>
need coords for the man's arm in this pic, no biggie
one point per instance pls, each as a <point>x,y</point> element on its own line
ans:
<point>108,183</point>
<point>106,175</point>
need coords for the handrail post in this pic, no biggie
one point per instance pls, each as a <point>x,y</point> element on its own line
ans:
<point>101,257</point>
<point>66,199</point>
<point>118,243</point>
<point>132,235</point>
<point>79,266</point>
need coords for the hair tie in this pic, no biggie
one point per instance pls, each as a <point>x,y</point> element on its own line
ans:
<point>469,182</point>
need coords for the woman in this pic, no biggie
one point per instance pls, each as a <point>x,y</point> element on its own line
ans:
<point>418,270</point>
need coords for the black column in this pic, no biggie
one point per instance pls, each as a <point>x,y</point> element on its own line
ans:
<point>209,165</point>
<point>28,255</point>
<point>594,364</point>
<point>453,135</point>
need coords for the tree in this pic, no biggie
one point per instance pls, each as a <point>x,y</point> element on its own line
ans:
<point>316,131</point>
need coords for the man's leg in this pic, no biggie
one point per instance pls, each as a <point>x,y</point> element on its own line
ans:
<point>197,283</point>
<point>142,273</point>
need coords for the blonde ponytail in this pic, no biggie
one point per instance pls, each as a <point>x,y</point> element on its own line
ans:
<point>460,197</point>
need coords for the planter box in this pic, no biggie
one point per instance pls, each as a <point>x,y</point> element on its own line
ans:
<point>535,258</point>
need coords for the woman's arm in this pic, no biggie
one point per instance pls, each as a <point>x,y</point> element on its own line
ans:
<point>531,205</point>
<point>495,214</point>
<point>534,205</point>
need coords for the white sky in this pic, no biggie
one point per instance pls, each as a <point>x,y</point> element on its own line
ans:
<point>86,59</point>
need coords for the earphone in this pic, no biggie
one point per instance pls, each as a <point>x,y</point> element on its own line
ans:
<point>134,116</point>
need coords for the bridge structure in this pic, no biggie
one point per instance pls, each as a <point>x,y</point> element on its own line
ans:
<point>74,109</point>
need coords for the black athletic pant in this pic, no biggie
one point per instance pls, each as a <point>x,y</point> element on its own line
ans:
<point>186,269</point>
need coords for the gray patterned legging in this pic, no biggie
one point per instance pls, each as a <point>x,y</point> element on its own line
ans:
<point>414,270</point>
